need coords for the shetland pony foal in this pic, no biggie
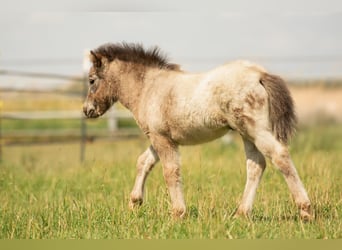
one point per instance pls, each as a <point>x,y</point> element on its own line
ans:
<point>175,108</point>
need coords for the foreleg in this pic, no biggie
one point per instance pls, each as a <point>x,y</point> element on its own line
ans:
<point>145,164</point>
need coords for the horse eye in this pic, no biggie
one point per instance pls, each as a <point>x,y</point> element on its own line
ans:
<point>91,81</point>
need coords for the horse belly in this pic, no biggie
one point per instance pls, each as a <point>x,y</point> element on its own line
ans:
<point>197,135</point>
<point>202,125</point>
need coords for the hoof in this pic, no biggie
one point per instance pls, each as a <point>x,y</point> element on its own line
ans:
<point>242,214</point>
<point>178,213</point>
<point>306,213</point>
<point>135,202</point>
<point>306,216</point>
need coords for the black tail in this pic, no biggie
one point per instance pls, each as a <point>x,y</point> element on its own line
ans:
<point>282,115</point>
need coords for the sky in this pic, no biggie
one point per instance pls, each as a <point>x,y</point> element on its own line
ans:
<point>295,39</point>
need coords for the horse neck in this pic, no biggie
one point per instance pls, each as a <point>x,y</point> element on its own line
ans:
<point>133,79</point>
<point>131,82</point>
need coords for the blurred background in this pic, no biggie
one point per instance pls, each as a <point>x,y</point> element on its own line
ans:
<point>42,48</point>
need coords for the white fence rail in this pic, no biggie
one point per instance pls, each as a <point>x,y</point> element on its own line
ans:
<point>113,115</point>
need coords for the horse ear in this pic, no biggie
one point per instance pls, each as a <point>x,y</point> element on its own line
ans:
<point>95,59</point>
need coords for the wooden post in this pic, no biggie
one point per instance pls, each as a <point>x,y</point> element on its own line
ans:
<point>112,121</point>
<point>86,67</point>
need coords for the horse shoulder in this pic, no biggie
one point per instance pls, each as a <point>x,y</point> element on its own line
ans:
<point>155,106</point>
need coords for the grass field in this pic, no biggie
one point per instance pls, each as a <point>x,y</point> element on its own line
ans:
<point>46,193</point>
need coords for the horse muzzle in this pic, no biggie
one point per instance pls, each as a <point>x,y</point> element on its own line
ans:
<point>90,111</point>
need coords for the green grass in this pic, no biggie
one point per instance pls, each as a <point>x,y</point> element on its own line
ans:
<point>46,193</point>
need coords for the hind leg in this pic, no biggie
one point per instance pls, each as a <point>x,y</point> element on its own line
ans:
<point>256,164</point>
<point>280,157</point>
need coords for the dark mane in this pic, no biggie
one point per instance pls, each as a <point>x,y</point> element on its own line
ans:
<point>135,53</point>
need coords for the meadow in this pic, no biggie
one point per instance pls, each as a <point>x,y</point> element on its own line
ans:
<point>46,193</point>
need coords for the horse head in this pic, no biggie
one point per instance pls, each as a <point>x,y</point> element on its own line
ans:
<point>102,90</point>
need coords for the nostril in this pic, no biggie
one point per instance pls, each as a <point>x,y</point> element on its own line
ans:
<point>90,112</point>
<point>89,109</point>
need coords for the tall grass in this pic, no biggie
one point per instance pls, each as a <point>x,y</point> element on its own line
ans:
<point>46,193</point>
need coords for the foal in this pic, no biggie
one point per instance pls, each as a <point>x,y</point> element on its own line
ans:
<point>175,108</point>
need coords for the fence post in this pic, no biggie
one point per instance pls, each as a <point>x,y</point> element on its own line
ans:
<point>112,121</point>
<point>86,67</point>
